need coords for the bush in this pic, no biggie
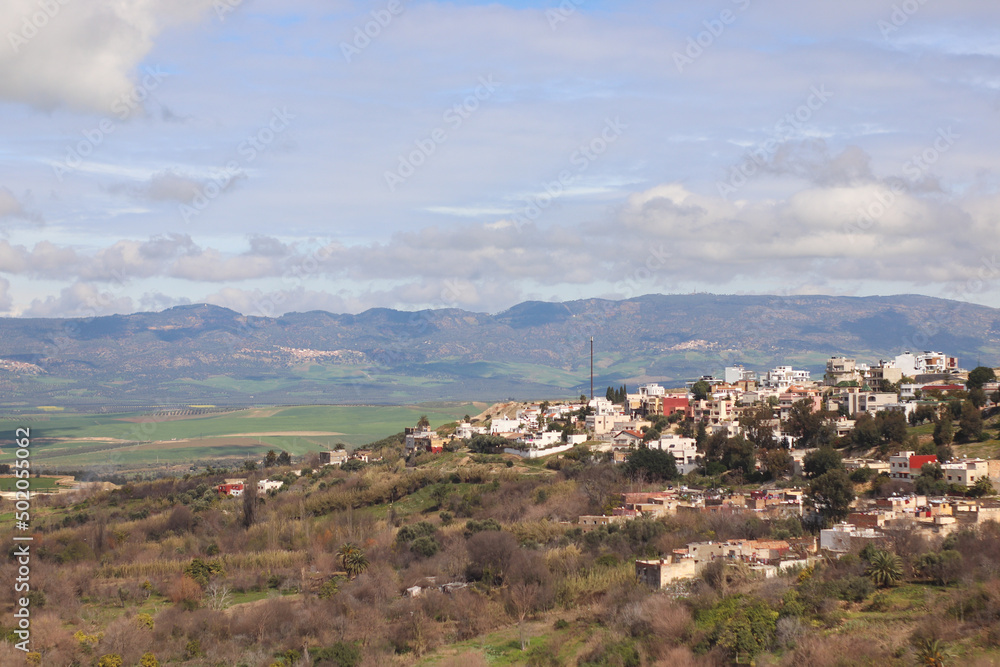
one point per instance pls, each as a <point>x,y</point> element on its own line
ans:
<point>852,589</point>
<point>425,546</point>
<point>473,527</point>
<point>340,654</point>
<point>407,534</point>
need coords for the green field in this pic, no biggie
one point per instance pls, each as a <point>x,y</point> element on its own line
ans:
<point>37,483</point>
<point>68,440</point>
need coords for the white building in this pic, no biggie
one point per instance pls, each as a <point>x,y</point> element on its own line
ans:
<point>926,363</point>
<point>783,377</point>
<point>540,440</point>
<point>736,374</point>
<point>845,536</point>
<point>648,390</point>
<point>685,451</point>
<point>499,425</point>
<point>465,431</point>
<point>603,407</point>
<point>965,472</point>
<point>265,485</point>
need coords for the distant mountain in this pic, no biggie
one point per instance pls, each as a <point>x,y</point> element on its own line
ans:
<point>208,355</point>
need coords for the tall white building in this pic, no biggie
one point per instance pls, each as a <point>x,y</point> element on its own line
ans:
<point>736,374</point>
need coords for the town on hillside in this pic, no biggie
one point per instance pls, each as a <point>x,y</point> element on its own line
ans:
<point>836,452</point>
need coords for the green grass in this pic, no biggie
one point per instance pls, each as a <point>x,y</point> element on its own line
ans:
<point>357,425</point>
<point>37,483</point>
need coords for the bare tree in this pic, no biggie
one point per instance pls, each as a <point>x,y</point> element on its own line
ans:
<point>522,597</point>
<point>219,596</point>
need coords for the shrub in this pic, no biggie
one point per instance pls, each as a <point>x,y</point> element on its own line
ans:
<point>473,527</point>
<point>425,546</point>
<point>341,654</point>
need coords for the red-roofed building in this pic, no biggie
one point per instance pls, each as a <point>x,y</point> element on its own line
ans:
<point>906,465</point>
<point>628,438</point>
<point>231,487</point>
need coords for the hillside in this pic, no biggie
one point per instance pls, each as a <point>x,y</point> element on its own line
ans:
<point>347,565</point>
<point>210,355</point>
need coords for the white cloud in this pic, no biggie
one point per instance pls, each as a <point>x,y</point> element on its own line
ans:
<point>81,54</point>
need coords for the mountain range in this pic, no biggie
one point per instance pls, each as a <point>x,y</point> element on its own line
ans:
<point>202,354</point>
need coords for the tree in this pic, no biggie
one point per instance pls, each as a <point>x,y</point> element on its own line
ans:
<point>284,459</point>
<point>832,494</point>
<point>345,550</point>
<point>250,508</point>
<point>776,462</point>
<point>522,597</point>
<point>487,444</point>
<point>978,397</point>
<point>821,461</point>
<point>355,562</point>
<point>885,568</point>
<point>892,426</point>
<point>701,390</point>
<point>866,433</point>
<point>739,455</point>
<point>943,431</point>
<point>655,464</point>
<point>979,376</point>
<point>981,488</point>
<point>423,422</point>
<point>805,423</point>
<point>270,459</point>
<point>970,426</point>
<point>757,426</point>
<point>743,625</point>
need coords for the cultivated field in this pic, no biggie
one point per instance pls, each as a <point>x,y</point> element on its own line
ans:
<point>133,442</point>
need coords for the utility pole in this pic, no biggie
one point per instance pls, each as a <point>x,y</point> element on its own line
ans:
<point>591,368</point>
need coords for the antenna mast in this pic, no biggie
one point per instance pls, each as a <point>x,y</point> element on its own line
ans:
<point>591,368</point>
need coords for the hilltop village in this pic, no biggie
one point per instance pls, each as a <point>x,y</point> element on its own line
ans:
<point>774,519</point>
<point>783,430</point>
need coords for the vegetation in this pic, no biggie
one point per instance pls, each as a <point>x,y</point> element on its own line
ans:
<point>167,571</point>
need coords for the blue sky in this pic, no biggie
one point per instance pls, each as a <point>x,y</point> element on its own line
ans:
<point>271,157</point>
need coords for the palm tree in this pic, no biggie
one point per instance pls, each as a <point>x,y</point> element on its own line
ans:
<point>931,653</point>
<point>344,552</point>
<point>885,568</point>
<point>355,563</point>
<point>423,422</point>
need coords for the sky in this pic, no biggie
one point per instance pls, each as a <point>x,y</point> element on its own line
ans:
<point>278,156</point>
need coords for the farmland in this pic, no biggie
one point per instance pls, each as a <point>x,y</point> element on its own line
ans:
<point>132,442</point>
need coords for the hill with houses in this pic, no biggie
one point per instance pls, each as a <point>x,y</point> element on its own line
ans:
<point>203,354</point>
